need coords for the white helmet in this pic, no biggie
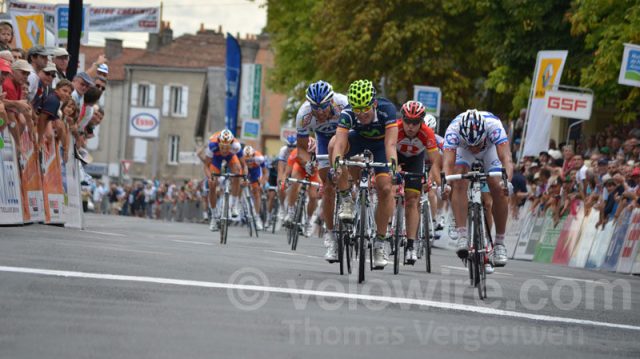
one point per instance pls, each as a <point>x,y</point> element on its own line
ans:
<point>431,121</point>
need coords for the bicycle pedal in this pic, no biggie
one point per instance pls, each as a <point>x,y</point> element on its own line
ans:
<point>412,262</point>
<point>378,268</point>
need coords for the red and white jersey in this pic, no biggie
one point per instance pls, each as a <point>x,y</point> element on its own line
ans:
<point>409,147</point>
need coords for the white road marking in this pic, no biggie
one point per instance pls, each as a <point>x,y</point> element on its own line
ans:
<point>363,297</point>
<point>107,233</point>
<point>292,254</point>
<point>109,248</point>
<point>573,279</point>
<point>191,242</point>
<point>466,270</point>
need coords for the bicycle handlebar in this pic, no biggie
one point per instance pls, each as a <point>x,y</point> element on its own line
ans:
<point>226,175</point>
<point>473,175</point>
<point>362,164</point>
<point>316,184</point>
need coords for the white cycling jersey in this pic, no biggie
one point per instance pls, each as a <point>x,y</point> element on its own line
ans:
<point>487,154</point>
<point>306,122</point>
<point>284,153</point>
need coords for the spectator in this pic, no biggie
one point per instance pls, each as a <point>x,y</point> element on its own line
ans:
<point>81,83</point>
<point>38,57</point>
<point>61,60</point>
<point>6,35</point>
<point>19,54</point>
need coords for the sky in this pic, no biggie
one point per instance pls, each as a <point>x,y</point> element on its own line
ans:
<point>235,16</point>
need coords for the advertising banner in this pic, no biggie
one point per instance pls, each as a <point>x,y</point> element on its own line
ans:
<point>549,66</point>
<point>250,130</point>
<point>570,235</point>
<point>549,240</point>
<point>250,91</point>
<point>232,75</point>
<point>144,122</point>
<point>52,184</point>
<point>588,234</point>
<point>10,195</point>
<point>600,247</point>
<point>617,241</point>
<point>527,247</point>
<point>32,198</point>
<point>125,19</point>
<point>430,97</point>
<point>630,67</point>
<point>72,215</point>
<point>630,247</point>
<point>62,25</point>
<point>28,28</point>
<point>568,104</point>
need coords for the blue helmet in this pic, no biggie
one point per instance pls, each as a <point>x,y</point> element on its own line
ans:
<point>291,141</point>
<point>319,93</point>
<point>472,127</point>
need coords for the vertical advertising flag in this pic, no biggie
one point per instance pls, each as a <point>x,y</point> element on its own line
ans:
<point>630,67</point>
<point>73,215</point>
<point>232,75</point>
<point>549,66</point>
<point>52,186</point>
<point>29,29</point>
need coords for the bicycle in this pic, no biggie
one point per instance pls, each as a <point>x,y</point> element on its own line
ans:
<point>398,224</point>
<point>426,232</point>
<point>480,243</point>
<point>363,233</point>
<point>249,216</point>
<point>293,232</point>
<point>273,215</point>
<point>225,218</point>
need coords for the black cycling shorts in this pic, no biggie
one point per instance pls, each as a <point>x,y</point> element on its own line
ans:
<point>413,164</point>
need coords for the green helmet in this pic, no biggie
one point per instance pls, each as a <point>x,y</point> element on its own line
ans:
<point>361,93</point>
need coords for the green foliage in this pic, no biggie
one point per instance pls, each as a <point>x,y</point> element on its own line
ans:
<point>481,53</point>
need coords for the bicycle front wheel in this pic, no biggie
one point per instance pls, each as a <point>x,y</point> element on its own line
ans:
<point>224,222</point>
<point>297,221</point>
<point>397,237</point>
<point>362,239</point>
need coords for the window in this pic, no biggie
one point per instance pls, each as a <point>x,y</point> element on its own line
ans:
<point>143,95</point>
<point>175,100</point>
<point>174,149</point>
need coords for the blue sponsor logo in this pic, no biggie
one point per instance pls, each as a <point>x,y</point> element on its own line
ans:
<point>495,135</point>
<point>452,139</point>
<point>496,163</point>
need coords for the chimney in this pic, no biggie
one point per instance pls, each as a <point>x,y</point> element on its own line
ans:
<point>112,48</point>
<point>219,29</point>
<point>153,44</point>
<point>166,35</point>
<point>201,27</point>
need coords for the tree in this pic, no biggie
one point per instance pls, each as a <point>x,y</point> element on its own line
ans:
<point>606,26</point>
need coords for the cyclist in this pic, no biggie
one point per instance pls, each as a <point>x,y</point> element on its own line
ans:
<point>257,174</point>
<point>223,146</point>
<point>273,186</point>
<point>297,171</point>
<point>320,114</point>
<point>367,123</point>
<point>283,158</point>
<point>436,203</point>
<point>478,135</point>
<point>415,139</point>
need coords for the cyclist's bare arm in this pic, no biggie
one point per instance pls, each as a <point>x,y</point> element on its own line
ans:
<point>436,160</point>
<point>340,144</point>
<point>504,154</point>
<point>449,161</point>
<point>390,141</point>
<point>302,145</point>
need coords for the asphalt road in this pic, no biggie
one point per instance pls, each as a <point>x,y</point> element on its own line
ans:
<point>135,288</point>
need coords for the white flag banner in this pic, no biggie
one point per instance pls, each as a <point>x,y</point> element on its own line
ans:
<point>126,19</point>
<point>549,66</point>
<point>630,67</point>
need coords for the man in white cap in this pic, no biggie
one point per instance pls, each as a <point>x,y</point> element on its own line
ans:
<point>103,71</point>
<point>38,57</point>
<point>61,59</point>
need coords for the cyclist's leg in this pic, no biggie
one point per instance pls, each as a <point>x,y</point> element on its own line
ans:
<point>460,201</point>
<point>412,191</point>
<point>313,196</point>
<point>386,202</point>
<point>500,207</point>
<point>292,191</point>
<point>328,202</point>
<point>234,167</point>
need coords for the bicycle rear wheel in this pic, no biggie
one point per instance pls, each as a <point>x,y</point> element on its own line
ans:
<point>397,234</point>
<point>362,239</point>
<point>224,221</point>
<point>426,235</point>
<point>252,218</point>
<point>297,221</point>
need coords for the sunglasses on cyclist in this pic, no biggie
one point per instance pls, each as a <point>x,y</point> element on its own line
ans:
<point>411,121</point>
<point>361,109</point>
<point>321,106</point>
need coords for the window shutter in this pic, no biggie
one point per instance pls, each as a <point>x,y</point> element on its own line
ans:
<point>134,94</point>
<point>166,100</point>
<point>152,95</point>
<point>185,101</point>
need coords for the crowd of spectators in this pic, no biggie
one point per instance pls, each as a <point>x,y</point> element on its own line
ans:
<point>40,105</point>
<point>166,201</point>
<point>601,171</point>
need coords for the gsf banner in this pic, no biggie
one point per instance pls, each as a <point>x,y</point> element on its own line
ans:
<point>126,19</point>
<point>10,196</point>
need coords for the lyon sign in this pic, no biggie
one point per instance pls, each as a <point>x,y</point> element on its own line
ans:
<point>568,104</point>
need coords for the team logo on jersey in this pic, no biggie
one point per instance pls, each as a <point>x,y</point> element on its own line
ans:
<point>306,120</point>
<point>496,163</point>
<point>431,143</point>
<point>495,135</point>
<point>452,139</point>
